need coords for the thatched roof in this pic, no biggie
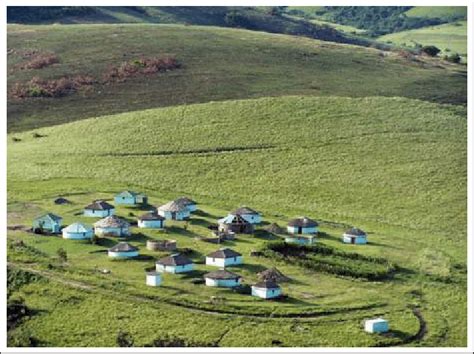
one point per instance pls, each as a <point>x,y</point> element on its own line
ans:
<point>355,232</point>
<point>77,227</point>
<point>185,201</point>
<point>273,274</point>
<point>151,216</point>
<point>302,222</point>
<point>274,229</point>
<point>123,247</point>
<point>173,206</point>
<point>99,205</point>
<point>128,194</point>
<point>222,274</point>
<point>245,211</point>
<point>174,260</point>
<point>224,253</point>
<point>267,284</point>
<point>112,221</point>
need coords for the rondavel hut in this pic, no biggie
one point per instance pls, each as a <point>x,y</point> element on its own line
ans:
<point>112,226</point>
<point>151,221</point>
<point>78,231</point>
<point>176,263</point>
<point>174,211</point>
<point>222,278</point>
<point>99,209</point>
<point>190,204</point>
<point>266,289</point>
<point>130,198</point>
<point>302,225</point>
<point>355,236</point>
<point>223,258</point>
<point>123,250</point>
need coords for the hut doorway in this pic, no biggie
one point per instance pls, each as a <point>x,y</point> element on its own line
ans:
<point>353,240</point>
<point>300,230</point>
<point>173,215</point>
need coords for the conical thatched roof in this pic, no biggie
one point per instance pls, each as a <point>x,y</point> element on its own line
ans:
<point>112,221</point>
<point>274,229</point>
<point>273,274</point>
<point>173,206</point>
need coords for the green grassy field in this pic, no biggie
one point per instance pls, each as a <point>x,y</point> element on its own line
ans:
<point>340,27</point>
<point>450,37</point>
<point>443,12</point>
<point>395,167</point>
<point>218,64</point>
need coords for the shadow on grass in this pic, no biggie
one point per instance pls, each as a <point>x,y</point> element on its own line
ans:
<point>252,268</point>
<point>265,235</point>
<point>204,214</point>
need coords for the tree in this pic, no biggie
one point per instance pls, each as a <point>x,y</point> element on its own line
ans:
<point>124,339</point>
<point>431,50</point>
<point>62,254</point>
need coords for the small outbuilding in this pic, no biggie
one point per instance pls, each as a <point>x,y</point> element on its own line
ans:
<point>377,325</point>
<point>161,245</point>
<point>61,201</point>
<point>123,250</point>
<point>112,226</point>
<point>355,236</point>
<point>47,223</point>
<point>235,223</point>
<point>266,289</point>
<point>78,231</point>
<point>153,278</point>
<point>300,240</point>
<point>302,225</point>
<point>222,278</point>
<point>223,258</point>
<point>151,221</point>
<point>176,263</point>
<point>130,198</point>
<point>99,209</point>
<point>174,211</point>
<point>252,216</point>
<point>190,204</point>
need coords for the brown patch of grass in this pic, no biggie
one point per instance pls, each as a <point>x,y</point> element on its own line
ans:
<point>38,87</point>
<point>142,66</point>
<point>39,61</point>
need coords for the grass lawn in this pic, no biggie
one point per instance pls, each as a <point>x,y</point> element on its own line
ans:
<point>395,167</point>
<point>443,12</point>
<point>217,64</point>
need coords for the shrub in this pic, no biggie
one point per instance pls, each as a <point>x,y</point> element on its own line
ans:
<point>430,50</point>
<point>41,61</point>
<point>124,339</point>
<point>453,58</point>
<point>62,254</point>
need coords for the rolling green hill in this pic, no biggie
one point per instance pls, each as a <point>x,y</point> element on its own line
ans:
<point>450,37</point>
<point>217,64</point>
<point>395,167</point>
<point>448,13</point>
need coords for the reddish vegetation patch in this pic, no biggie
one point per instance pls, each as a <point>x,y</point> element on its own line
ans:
<point>37,87</point>
<point>142,66</point>
<point>40,61</point>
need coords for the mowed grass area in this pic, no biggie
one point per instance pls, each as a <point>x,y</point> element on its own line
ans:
<point>392,166</point>
<point>450,37</point>
<point>218,64</point>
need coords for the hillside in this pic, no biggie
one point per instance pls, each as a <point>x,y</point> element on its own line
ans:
<point>449,37</point>
<point>216,64</point>
<point>447,13</point>
<point>267,19</point>
<point>393,166</point>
